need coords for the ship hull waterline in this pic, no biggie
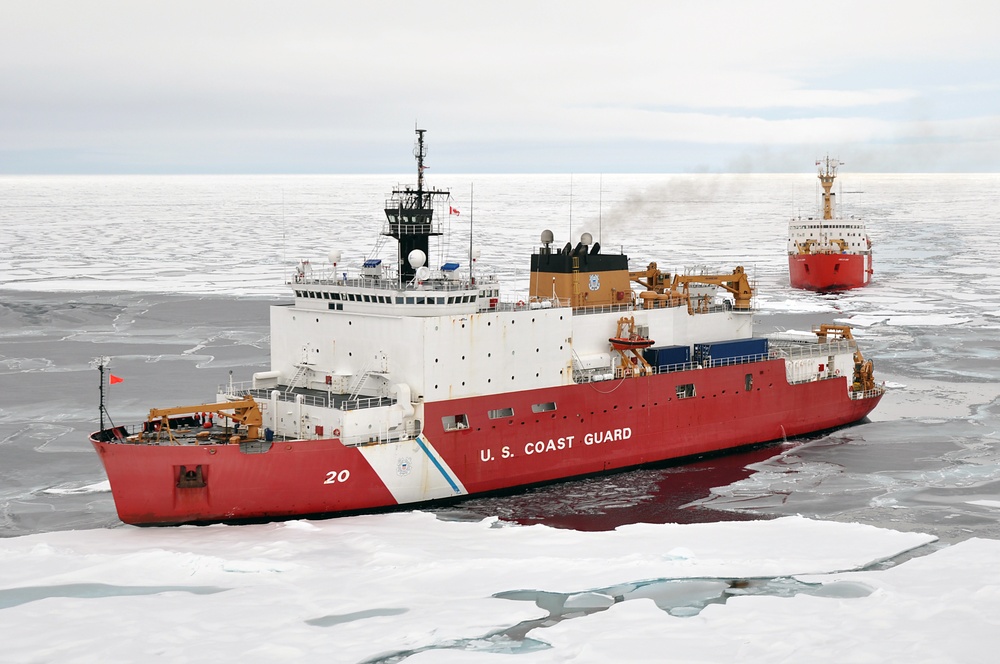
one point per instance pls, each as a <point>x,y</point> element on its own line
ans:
<point>829,272</point>
<point>596,427</point>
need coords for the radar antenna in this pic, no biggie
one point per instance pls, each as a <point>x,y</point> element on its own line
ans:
<point>410,214</point>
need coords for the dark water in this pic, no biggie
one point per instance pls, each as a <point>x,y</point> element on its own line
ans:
<point>658,494</point>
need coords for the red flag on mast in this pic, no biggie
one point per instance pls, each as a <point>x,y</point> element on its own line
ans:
<point>452,210</point>
<point>113,379</point>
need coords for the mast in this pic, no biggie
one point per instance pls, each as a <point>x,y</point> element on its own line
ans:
<point>827,174</point>
<point>101,363</point>
<point>101,367</point>
<point>472,258</point>
<point>410,215</point>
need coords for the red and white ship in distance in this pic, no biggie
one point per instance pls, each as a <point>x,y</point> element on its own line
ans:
<point>830,253</point>
<point>406,384</point>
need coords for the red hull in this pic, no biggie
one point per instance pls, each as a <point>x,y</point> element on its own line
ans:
<point>829,272</point>
<point>595,427</point>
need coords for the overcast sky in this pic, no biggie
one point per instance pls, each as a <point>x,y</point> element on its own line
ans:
<point>337,86</point>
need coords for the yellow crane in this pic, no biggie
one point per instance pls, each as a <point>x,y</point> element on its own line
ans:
<point>864,370</point>
<point>675,291</point>
<point>244,411</point>
<point>652,278</point>
<point>736,283</point>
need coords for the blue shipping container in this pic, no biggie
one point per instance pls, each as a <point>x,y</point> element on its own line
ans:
<point>667,356</point>
<point>730,352</point>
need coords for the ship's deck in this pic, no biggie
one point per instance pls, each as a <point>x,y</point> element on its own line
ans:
<point>185,430</point>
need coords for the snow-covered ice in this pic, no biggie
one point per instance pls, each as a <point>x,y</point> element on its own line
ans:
<point>370,588</point>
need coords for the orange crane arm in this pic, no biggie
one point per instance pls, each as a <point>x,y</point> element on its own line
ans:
<point>244,411</point>
<point>651,278</point>
<point>736,283</point>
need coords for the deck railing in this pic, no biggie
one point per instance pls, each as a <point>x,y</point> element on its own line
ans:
<point>781,349</point>
<point>867,394</point>
<point>800,350</point>
<point>310,398</point>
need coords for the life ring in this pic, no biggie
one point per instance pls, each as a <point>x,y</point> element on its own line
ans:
<point>520,303</point>
<point>336,432</point>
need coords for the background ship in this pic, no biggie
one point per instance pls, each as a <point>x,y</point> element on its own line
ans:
<point>405,384</point>
<point>830,253</point>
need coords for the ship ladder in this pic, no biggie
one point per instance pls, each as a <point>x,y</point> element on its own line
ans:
<point>362,376</point>
<point>303,369</point>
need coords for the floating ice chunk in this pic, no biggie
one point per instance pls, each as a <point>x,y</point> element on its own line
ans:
<point>588,601</point>
<point>99,487</point>
<point>255,566</point>
<point>679,553</point>
<point>924,320</point>
<point>986,503</point>
<point>299,525</point>
<point>794,335</point>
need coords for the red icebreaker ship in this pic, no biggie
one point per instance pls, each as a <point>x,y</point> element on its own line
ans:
<point>831,253</point>
<point>408,384</point>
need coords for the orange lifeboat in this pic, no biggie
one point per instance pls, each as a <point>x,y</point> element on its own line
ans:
<point>630,343</point>
<point>627,338</point>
